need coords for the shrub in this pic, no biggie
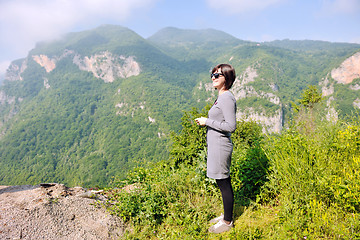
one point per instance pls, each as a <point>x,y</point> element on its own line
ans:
<point>249,163</point>
<point>187,145</point>
<point>315,177</point>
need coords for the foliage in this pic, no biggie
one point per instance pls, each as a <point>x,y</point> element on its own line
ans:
<point>299,184</point>
<point>311,45</point>
<point>165,203</point>
<point>248,173</point>
<point>191,140</point>
<point>249,164</point>
<point>177,194</point>
<point>309,98</point>
<point>82,131</point>
<point>345,97</point>
<point>72,134</point>
<point>314,180</point>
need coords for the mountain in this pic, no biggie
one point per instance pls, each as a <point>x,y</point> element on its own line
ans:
<point>185,44</point>
<point>172,35</point>
<point>96,104</point>
<point>311,45</point>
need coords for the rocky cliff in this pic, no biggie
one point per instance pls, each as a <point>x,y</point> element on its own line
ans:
<point>242,89</point>
<point>54,211</point>
<point>15,70</point>
<point>346,73</point>
<point>348,70</point>
<point>108,66</point>
<point>103,65</point>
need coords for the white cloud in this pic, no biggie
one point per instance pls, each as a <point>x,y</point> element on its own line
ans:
<point>355,40</point>
<point>3,66</point>
<point>25,22</point>
<point>331,7</point>
<point>267,38</point>
<point>242,6</point>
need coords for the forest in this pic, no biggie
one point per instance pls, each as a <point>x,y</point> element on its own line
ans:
<point>300,184</point>
<point>69,126</point>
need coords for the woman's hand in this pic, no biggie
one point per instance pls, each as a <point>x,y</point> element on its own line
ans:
<point>201,121</point>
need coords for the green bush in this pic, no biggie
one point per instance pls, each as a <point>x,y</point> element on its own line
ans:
<point>249,163</point>
<point>162,198</point>
<point>302,184</point>
<point>314,180</point>
<point>176,194</point>
<point>187,145</point>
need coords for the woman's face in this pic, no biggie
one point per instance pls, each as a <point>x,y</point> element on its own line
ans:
<point>219,82</point>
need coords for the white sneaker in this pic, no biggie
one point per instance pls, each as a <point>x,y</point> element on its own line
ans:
<point>220,227</point>
<point>215,220</point>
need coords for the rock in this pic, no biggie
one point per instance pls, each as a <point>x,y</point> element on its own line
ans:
<point>14,71</point>
<point>53,211</point>
<point>88,194</point>
<point>48,63</point>
<point>46,185</point>
<point>108,66</point>
<point>271,123</point>
<point>348,70</point>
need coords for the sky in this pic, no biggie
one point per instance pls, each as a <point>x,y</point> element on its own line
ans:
<point>23,23</point>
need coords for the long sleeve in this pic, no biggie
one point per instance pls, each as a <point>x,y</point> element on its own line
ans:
<point>222,116</point>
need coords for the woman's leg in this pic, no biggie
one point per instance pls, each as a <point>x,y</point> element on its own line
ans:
<point>227,196</point>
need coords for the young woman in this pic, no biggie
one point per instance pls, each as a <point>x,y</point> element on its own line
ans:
<point>220,123</point>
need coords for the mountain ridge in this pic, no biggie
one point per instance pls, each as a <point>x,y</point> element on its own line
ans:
<point>171,35</point>
<point>98,103</point>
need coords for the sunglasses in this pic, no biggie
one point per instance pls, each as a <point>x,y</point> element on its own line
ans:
<point>216,75</point>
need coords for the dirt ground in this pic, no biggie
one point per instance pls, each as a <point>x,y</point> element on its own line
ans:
<point>53,211</point>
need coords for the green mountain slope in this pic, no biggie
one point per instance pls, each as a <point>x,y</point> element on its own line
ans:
<point>82,130</point>
<point>94,104</point>
<point>176,36</point>
<point>311,45</point>
<point>185,44</point>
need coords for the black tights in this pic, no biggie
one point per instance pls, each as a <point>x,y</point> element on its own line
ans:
<point>227,196</point>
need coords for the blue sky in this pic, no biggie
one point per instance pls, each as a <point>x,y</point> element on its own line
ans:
<point>25,22</point>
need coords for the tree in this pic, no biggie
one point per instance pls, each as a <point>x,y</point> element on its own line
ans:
<point>306,113</point>
<point>309,98</point>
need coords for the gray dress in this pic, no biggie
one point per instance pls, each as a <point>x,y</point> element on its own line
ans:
<point>220,124</point>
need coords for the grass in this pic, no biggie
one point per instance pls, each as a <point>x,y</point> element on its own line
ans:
<point>301,184</point>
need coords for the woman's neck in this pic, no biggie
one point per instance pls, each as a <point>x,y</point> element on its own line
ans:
<point>221,91</point>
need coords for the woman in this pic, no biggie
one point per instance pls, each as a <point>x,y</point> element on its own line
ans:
<point>221,122</point>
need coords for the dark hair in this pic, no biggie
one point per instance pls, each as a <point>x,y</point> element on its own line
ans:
<point>229,74</point>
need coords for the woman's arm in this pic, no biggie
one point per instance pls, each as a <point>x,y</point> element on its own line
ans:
<point>228,108</point>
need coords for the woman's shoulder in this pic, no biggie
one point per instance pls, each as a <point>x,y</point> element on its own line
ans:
<point>227,95</point>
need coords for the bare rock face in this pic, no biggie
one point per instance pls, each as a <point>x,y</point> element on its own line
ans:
<point>46,62</point>
<point>103,65</point>
<point>356,103</point>
<point>53,211</point>
<point>355,87</point>
<point>107,66</point>
<point>327,88</point>
<point>50,63</point>
<point>46,83</point>
<point>14,71</point>
<point>248,76</point>
<point>240,89</point>
<point>6,99</point>
<point>271,124</point>
<point>332,115</point>
<point>348,70</point>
